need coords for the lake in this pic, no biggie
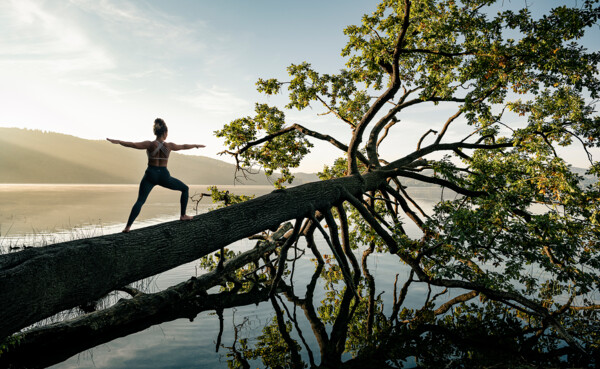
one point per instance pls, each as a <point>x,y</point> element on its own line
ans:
<point>36,215</point>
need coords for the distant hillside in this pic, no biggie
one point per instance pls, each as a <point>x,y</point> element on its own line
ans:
<point>588,179</point>
<point>33,156</point>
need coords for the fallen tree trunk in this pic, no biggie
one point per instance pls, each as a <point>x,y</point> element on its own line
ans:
<point>39,282</point>
<point>57,342</point>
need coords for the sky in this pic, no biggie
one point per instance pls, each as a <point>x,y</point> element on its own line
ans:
<point>108,68</point>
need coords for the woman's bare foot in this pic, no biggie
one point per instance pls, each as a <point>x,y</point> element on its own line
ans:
<point>126,230</point>
<point>186,217</point>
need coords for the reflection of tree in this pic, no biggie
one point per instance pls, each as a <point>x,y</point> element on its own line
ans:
<point>275,347</point>
<point>444,331</point>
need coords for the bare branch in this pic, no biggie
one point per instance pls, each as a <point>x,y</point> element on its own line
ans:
<point>329,139</point>
<point>333,231</point>
<point>588,153</point>
<point>388,121</point>
<point>293,127</point>
<point>410,158</point>
<point>407,210</point>
<point>334,112</point>
<point>392,210</point>
<point>423,137</point>
<point>441,182</point>
<point>259,141</point>
<point>376,214</point>
<point>447,124</point>
<point>387,238</point>
<point>283,255</point>
<point>308,233</point>
<point>457,300</point>
<point>403,292</point>
<point>410,199</point>
<point>385,132</point>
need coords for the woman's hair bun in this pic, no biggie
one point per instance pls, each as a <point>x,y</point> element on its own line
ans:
<point>160,127</point>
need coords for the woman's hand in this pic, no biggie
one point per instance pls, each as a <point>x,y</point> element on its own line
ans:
<point>199,146</point>
<point>113,141</point>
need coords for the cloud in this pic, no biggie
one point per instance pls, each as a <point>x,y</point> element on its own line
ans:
<point>40,38</point>
<point>100,86</point>
<point>217,101</point>
<point>141,23</point>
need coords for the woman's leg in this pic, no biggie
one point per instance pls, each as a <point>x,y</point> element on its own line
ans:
<point>173,183</point>
<point>145,187</point>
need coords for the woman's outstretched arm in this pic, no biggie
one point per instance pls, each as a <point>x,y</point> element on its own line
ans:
<point>176,147</point>
<point>134,145</point>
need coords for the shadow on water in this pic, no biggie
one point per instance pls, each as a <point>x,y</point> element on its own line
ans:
<point>319,322</point>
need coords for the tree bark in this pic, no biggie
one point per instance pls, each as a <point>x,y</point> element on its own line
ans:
<point>39,282</point>
<point>59,341</point>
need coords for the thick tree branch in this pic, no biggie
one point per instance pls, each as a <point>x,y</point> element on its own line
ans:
<point>457,300</point>
<point>386,121</point>
<point>385,133</point>
<point>410,158</point>
<point>283,254</point>
<point>345,232</point>
<point>404,205</point>
<point>293,127</point>
<point>383,99</point>
<point>387,238</point>
<point>56,342</point>
<point>440,182</point>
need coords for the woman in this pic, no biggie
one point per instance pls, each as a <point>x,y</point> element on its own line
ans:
<point>157,174</point>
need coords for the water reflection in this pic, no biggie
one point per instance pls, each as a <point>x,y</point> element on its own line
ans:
<point>314,320</point>
<point>32,211</point>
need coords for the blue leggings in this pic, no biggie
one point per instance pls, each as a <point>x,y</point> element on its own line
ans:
<point>158,176</point>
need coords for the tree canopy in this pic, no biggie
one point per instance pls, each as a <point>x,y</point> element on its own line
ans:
<point>522,232</point>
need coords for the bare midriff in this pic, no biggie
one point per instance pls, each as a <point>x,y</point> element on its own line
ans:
<point>157,163</point>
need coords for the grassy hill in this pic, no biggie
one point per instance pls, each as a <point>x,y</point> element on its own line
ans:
<point>33,156</point>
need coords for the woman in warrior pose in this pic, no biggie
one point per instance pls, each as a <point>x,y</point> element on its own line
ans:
<point>157,174</point>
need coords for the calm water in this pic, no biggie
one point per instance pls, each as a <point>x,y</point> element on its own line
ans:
<point>41,214</point>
